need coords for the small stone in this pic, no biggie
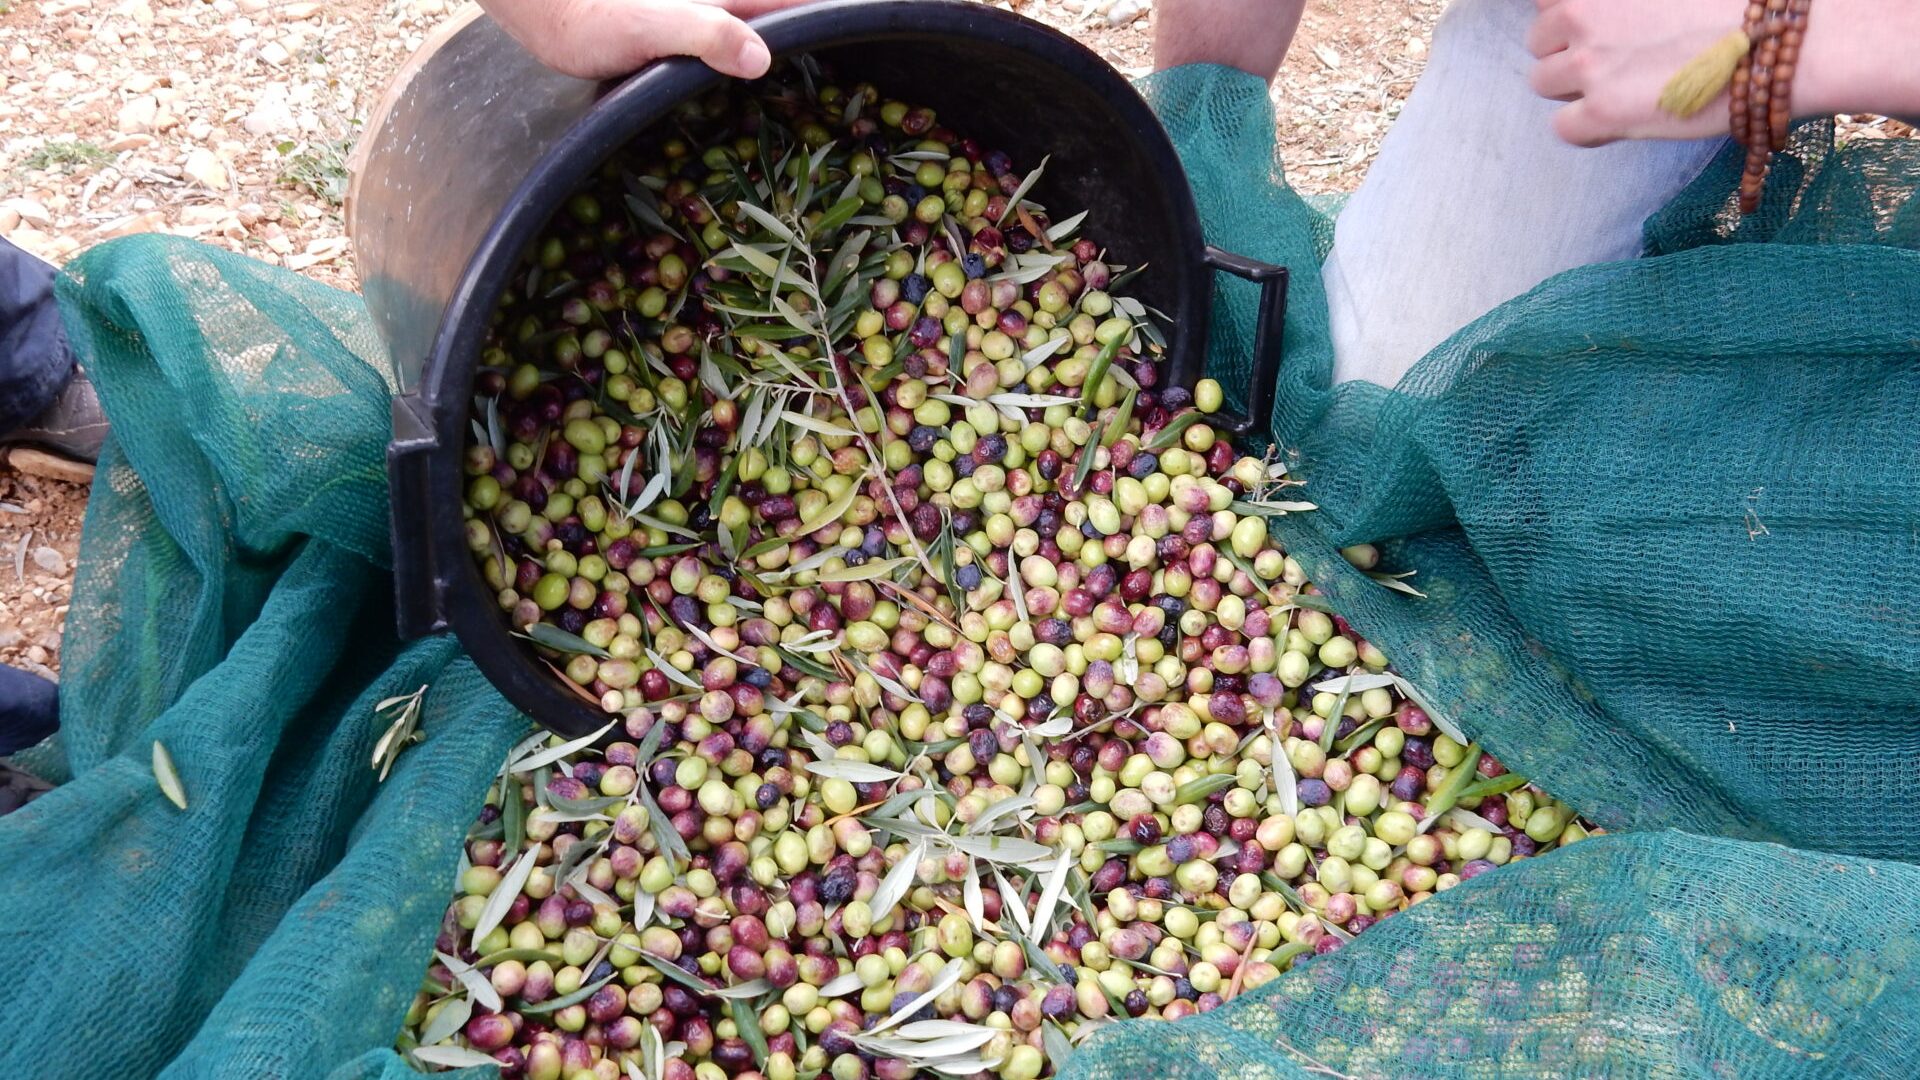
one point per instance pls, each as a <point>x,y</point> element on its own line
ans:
<point>50,560</point>
<point>271,115</point>
<point>204,214</point>
<point>204,168</point>
<point>136,116</point>
<point>130,142</point>
<point>30,211</point>
<point>9,637</point>
<point>1125,11</point>
<point>9,219</point>
<point>275,53</point>
<point>1416,47</point>
<point>151,221</point>
<point>37,654</point>
<point>86,63</point>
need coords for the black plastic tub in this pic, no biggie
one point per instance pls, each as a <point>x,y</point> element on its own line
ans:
<point>483,145</point>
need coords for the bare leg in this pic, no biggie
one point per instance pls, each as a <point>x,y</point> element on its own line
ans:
<point>1251,35</point>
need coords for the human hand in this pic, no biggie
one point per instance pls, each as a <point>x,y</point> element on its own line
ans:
<point>599,39</point>
<point>1610,59</point>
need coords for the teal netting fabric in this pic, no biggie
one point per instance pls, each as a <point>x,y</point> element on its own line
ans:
<point>1667,515</point>
<point>231,603</point>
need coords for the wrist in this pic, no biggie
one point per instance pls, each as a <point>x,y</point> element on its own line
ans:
<point>1857,58</point>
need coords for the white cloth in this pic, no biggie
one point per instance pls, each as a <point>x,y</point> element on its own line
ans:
<point>1474,200</point>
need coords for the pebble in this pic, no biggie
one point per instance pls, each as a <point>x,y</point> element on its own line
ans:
<point>50,560</point>
<point>1125,11</point>
<point>137,116</point>
<point>30,211</point>
<point>151,221</point>
<point>272,114</point>
<point>204,168</point>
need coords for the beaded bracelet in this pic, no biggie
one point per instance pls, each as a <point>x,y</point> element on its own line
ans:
<point>1762,89</point>
<point>1756,64</point>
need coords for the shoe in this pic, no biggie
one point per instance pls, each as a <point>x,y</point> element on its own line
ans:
<point>18,788</point>
<point>73,426</point>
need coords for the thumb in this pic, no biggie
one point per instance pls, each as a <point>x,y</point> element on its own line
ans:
<point>718,39</point>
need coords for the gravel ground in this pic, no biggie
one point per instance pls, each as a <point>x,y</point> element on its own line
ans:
<point>230,122</point>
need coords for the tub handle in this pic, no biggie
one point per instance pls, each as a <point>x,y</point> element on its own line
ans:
<point>419,594</point>
<point>1270,326</point>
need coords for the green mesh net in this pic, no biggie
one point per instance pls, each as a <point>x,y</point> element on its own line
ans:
<point>231,603</point>
<point>1666,512</point>
<point>1667,516</point>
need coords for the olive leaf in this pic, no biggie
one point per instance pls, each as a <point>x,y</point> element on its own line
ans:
<point>832,512</point>
<point>1026,185</point>
<point>452,1057</point>
<point>858,772</point>
<point>752,988</point>
<point>1057,1046</point>
<point>819,426</point>
<point>1050,895</point>
<point>975,902</point>
<point>564,1000</point>
<point>948,975</point>
<point>1458,778</point>
<point>476,984</point>
<point>661,665</point>
<point>565,749</point>
<point>1010,901</point>
<point>1285,781</point>
<point>1498,785</point>
<point>748,1024</point>
<point>553,637</point>
<point>897,883</point>
<point>503,893</point>
<point>1461,817</point>
<point>167,776</point>
<point>1065,228</point>
<point>1394,582</point>
<point>1440,720</point>
<point>451,1018</point>
<point>678,974</point>
<point>1005,808</point>
<point>1353,684</point>
<point>524,956</point>
<point>842,985</point>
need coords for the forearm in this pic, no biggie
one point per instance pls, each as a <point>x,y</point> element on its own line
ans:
<point>1859,56</point>
<point>1251,35</point>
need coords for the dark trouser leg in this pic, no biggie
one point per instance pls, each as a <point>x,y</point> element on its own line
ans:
<point>34,361</point>
<point>29,710</point>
